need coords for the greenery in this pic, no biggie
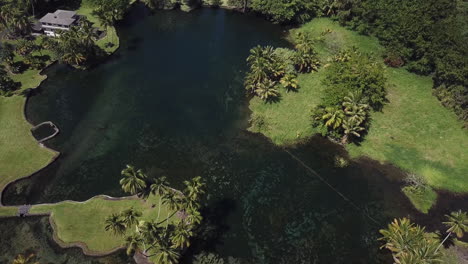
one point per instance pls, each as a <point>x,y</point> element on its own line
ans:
<point>7,211</point>
<point>162,244</point>
<point>421,198</point>
<point>25,259</point>
<point>428,36</point>
<point>436,152</point>
<point>92,232</point>
<point>270,67</point>
<point>410,243</point>
<point>21,155</point>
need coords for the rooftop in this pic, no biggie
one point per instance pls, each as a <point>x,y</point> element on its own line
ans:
<point>59,17</point>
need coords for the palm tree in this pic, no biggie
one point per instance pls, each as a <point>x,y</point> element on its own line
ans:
<point>181,236</point>
<point>304,42</point>
<point>333,117</point>
<point>402,237</point>
<point>88,33</point>
<point>194,188</point>
<point>306,62</point>
<point>354,108</point>
<point>267,90</point>
<point>132,243</point>
<point>457,223</point>
<point>173,202</point>
<point>193,216</point>
<point>159,187</point>
<point>22,259</point>
<point>151,233</point>
<point>20,22</point>
<point>130,217</point>
<point>166,255</point>
<point>351,128</point>
<point>133,181</point>
<point>290,82</point>
<point>115,224</point>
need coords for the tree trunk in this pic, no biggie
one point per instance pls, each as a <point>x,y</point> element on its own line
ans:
<point>344,140</point>
<point>443,241</point>
<point>159,208</point>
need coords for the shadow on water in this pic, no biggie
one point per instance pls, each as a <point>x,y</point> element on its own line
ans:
<point>171,102</point>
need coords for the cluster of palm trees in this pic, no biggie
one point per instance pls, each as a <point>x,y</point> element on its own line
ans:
<point>75,46</point>
<point>15,20</point>
<point>347,121</point>
<point>161,239</point>
<point>411,244</point>
<point>267,68</point>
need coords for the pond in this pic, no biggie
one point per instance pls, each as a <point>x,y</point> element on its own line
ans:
<point>171,101</point>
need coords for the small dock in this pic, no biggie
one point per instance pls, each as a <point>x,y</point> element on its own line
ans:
<point>52,125</point>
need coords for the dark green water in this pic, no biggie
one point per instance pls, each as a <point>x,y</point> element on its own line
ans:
<point>171,101</point>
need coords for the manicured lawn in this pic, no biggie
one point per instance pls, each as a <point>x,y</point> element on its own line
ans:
<point>111,36</point>
<point>20,153</point>
<point>414,131</point>
<point>85,222</point>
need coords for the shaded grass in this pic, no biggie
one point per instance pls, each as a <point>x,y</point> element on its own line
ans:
<point>414,131</point>
<point>84,222</point>
<point>20,153</point>
<point>422,198</point>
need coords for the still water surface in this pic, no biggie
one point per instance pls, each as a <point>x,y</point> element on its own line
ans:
<point>171,101</point>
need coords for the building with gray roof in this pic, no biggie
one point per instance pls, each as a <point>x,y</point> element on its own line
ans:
<point>53,23</point>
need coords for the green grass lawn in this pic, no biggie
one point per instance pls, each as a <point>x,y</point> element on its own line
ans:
<point>84,222</point>
<point>414,131</point>
<point>20,153</point>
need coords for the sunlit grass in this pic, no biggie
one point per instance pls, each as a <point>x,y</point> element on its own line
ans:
<point>76,222</point>
<point>20,153</point>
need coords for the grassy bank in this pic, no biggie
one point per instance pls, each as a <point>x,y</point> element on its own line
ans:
<point>414,131</point>
<point>20,153</point>
<point>84,222</point>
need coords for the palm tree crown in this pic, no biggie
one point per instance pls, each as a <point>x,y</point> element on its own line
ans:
<point>133,181</point>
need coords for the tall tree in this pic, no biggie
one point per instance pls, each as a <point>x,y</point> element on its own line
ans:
<point>115,224</point>
<point>457,223</point>
<point>130,217</point>
<point>132,243</point>
<point>133,180</point>
<point>160,187</point>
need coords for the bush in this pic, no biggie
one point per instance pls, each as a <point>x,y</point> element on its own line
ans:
<point>357,73</point>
